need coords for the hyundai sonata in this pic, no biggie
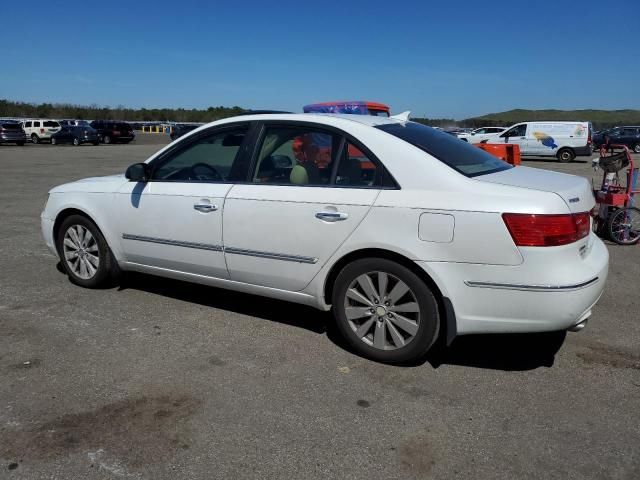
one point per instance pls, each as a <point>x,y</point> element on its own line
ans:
<point>406,233</point>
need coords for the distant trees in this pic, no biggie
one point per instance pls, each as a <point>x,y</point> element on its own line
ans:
<point>10,109</point>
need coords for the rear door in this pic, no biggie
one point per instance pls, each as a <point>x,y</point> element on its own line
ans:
<point>309,189</point>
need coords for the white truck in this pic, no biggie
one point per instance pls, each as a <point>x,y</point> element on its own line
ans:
<point>563,140</point>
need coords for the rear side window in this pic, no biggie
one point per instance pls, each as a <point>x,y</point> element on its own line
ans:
<point>36,124</point>
<point>461,156</point>
<point>296,156</point>
<point>51,124</point>
<point>355,169</point>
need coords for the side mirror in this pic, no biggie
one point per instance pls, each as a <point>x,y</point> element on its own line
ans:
<point>138,172</point>
<point>473,133</point>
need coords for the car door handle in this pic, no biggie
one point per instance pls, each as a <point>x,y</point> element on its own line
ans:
<point>332,216</point>
<point>205,207</point>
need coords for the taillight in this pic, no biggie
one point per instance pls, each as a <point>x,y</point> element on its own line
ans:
<point>42,130</point>
<point>528,230</point>
<point>589,137</point>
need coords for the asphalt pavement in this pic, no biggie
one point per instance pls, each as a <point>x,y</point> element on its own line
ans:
<point>160,379</point>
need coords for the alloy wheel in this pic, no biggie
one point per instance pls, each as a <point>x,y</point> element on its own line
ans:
<point>382,310</point>
<point>81,252</point>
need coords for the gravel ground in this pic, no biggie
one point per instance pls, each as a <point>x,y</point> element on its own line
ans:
<point>159,379</point>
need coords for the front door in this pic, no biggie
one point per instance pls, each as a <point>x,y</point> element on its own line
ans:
<point>517,135</point>
<point>174,221</point>
<point>300,205</point>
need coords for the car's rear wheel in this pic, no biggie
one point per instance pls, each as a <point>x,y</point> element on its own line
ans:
<point>636,148</point>
<point>21,144</point>
<point>106,139</point>
<point>566,155</point>
<point>84,252</point>
<point>96,143</point>
<point>385,311</point>
<point>34,138</point>
<point>76,142</point>
<point>623,226</point>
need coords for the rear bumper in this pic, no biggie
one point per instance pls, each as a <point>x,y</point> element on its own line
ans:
<point>585,151</point>
<point>12,137</point>
<point>532,297</point>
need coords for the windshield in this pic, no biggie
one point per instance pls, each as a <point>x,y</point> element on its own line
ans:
<point>459,155</point>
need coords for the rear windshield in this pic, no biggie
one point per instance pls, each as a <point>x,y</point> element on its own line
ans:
<point>11,126</point>
<point>459,155</point>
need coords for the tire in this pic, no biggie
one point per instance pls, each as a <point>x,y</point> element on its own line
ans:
<point>96,143</point>
<point>76,253</point>
<point>53,141</point>
<point>623,226</point>
<point>386,335</point>
<point>566,155</point>
<point>34,138</point>
<point>20,144</point>
<point>106,139</point>
<point>636,148</point>
<point>76,142</point>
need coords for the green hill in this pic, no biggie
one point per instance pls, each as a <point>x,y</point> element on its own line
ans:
<point>599,118</point>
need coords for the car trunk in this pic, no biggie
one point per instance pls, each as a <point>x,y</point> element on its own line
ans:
<point>574,190</point>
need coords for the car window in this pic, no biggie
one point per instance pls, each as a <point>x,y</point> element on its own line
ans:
<point>36,124</point>
<point>517,131</point>
<point>49,123</point>
<point>27,124</point>
<point>630,131</point>
<point>480,130</point>
<point>209,158</point>
<point>295,156</point>
<point>461,156</point>
<point>355,169</point>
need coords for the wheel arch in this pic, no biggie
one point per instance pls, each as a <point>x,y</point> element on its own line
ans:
<point>448,328</point>
<point>65,213</point>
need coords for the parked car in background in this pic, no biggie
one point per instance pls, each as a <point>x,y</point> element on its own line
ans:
<point>76,135</point>
<point>627,135</point>
<point>79,123</point>
<point>480,134</point>
<point>353,107</point>
<point>180,129</point>
<point>12,132</point>
<point>563,140</point>
<point>111,131</point>
<point>40,129</point>
<point>364,231</point>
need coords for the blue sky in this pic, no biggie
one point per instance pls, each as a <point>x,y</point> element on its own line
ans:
<point>438,59</point>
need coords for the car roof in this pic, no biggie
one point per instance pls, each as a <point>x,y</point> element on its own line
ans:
<point>327,118</point>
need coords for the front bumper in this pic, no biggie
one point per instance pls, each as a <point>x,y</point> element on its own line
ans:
<point>46,225</point>
<point>526,298</point>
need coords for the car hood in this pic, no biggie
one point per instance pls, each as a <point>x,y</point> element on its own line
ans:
<point>574,190</point>
<point>109,183</point>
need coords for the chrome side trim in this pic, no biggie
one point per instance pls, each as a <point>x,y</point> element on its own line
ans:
<point>219,248</point>
<point>175,243</point>
<point>531,288</point>
<point>270,255</point>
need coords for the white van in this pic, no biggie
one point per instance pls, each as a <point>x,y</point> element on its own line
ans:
<point>40,129</point>
<point>563,140</point>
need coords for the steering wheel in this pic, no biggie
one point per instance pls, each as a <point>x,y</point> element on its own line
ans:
<point>203,172</point>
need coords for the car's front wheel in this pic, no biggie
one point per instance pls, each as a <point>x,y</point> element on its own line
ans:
<point>76,142</point>
<point>84,252</point>
<point>385,311</point>
<point>35,138</point>
<point>636,148</point>
<point>106,139</point>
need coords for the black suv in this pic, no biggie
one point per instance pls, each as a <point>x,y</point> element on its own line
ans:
<point>113,132</point>
<point>629,136</point>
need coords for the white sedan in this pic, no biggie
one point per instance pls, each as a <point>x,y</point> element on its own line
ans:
<point>480,135</point>
<point>405,232</point>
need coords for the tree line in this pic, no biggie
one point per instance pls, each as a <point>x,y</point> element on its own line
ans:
<point>13,109</point>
